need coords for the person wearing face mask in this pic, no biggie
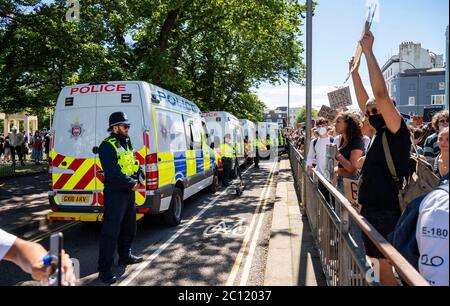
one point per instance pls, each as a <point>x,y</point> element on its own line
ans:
<point>317,154</point>
<point>378,192</point>
<point>431,147</point>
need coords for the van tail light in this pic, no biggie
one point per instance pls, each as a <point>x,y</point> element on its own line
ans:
<point>151,171</point>
<point>219,162</point>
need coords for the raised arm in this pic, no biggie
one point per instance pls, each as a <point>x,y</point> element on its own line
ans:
<point>385,105</point>
<point>360,91</point>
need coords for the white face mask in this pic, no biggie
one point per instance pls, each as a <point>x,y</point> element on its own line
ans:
<point>322,131</point>
<point>442,126</point>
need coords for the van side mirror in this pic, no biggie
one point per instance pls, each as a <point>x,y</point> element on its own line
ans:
<point>212,145</point>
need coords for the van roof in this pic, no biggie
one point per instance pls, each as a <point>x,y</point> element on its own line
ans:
<point>160,96</point>
<point>219,114</point>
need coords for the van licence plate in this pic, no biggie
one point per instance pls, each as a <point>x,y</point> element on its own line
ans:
<point>75,198</point>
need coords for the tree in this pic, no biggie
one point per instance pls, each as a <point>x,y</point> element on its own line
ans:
<point>209,51</point>
<point>301,117</point>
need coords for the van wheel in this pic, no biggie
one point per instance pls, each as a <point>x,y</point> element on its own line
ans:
<point>172,217</point>
<point>215,184</point>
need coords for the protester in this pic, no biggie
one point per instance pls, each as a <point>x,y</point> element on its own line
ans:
<point>2,147</point>
<point>350,147</point>
<point>431,147</point>
<point>47,144</point>
<point>440,163</point>
<point>417,135</point>
<point>378,192</point>
<point>7,151</point>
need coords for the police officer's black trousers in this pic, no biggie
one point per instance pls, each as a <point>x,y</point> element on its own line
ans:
<point>256,159</point>
<point>226,166</point>
<point>119,227</point>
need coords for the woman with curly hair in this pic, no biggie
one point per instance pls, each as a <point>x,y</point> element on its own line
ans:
<point>350,146</point>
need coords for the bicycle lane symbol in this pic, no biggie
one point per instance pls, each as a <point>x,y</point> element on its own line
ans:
<point>222,228</point>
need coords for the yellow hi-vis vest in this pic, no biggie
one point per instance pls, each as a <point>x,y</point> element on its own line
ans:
<point>227,150</point>
<point>127,163</point>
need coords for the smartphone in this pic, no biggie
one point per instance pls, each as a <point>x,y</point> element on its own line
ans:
<point>56,247</point>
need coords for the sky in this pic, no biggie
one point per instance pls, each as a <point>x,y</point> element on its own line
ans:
<point>337,26</point>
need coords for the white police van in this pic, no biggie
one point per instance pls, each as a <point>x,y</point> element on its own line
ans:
<point>249,130</point>
<point>168,135</point>
<point>219,124</point>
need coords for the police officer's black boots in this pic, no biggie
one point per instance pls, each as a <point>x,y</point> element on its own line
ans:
<point>107,277</point>
<point>130,260</point>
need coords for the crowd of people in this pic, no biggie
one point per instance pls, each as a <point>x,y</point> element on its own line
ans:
<point>21,146</point>
<point>374,146</point>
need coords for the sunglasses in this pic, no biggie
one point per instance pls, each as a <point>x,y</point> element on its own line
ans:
<point>443,121</point>
<point>374,111</point>
<point>125,126</point>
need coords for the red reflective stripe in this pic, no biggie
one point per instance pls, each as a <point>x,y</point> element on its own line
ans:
<point>139,158</point>
<point>58,159</point>
<point>100,198</point>
<point>86,179</point>
<point>65,177</point>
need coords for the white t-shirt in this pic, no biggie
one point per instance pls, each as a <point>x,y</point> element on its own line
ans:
<point>432,238</point>
<point>318,153</point>
<point>6,242</point>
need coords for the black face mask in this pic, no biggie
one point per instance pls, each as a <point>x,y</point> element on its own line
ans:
<point>377,121</point>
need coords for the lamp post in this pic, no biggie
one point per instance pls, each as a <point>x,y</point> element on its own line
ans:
<point>309,12</point>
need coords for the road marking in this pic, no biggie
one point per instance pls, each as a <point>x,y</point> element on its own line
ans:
<point>57,229</point>
<point>240,256</point>
<point>251,252</point>
<point>128,279</point>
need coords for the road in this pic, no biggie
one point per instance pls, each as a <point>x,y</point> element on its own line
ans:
<point>203,250</point>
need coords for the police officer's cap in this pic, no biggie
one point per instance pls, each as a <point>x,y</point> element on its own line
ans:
<point>117,118</point>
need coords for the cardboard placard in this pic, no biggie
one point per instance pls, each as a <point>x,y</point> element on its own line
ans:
<point>340,98</point>
<point>327,113</point>
<point>351,193</point>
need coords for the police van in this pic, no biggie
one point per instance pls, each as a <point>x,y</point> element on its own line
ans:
<point>268,134</point>
<point>168,135</point>
<point>249,131</point>
<point>220,124</point>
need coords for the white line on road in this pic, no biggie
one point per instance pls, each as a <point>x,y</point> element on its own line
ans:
<point>251,252</point>
<point>128,279</point>
<point>240,256</point>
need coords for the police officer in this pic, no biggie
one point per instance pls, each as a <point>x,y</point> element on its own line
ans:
<point>119,227</point>
<point>227,160</point>
<point>256,158</point>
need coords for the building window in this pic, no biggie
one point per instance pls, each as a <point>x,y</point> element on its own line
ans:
<point>412,101</point>
<point>394,88</point>
<point>441,85</point>
<point>412,87</point>
<point>438,99</point>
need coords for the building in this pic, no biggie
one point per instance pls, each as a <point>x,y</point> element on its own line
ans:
<point>415,78</point>
<point>280,115</point>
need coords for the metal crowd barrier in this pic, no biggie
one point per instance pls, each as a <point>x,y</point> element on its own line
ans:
<point>343,262</point>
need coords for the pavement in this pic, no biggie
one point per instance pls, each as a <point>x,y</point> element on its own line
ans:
<point>258,238</point>
<point>292,258</point>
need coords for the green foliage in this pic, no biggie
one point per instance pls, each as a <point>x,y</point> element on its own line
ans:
<point>210,51</point>
<point>301,117</point>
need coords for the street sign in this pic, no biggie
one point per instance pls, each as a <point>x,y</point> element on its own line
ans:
<point>327,113</point>
<point>340,98</point>
<point>430,111</point>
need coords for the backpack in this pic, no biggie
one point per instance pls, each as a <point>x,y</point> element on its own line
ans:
<point>403,238</point>
<point>419,180</point>
<point>315,142</point>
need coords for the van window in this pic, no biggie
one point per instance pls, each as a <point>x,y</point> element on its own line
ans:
<point>170,131</point>
<point>188,121</point>
<point>197,134</point>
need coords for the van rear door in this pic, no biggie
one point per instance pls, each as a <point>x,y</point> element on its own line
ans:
<point>73,161</point>
<point>128,100</point>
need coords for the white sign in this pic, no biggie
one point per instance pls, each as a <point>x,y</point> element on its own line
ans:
<point>340,98</point>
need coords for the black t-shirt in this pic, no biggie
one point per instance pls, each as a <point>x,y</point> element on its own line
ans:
<point>377,189</point>
<point>357,143</point>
